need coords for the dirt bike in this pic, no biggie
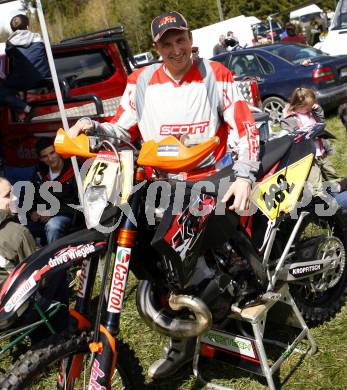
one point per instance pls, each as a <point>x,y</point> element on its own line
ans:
<point>196,261</point>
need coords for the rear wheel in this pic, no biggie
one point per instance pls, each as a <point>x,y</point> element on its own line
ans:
<point>38,369</point>
<point>321,296</point>
<point>274,106</point>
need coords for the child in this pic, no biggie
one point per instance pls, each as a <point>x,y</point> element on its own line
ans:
<point>303,112</point>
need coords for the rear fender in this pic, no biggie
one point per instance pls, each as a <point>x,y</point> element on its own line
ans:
<point>28,276</point>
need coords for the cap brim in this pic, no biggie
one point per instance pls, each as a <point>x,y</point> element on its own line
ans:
<point>158,36</point>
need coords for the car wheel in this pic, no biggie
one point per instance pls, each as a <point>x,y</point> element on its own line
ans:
<point>274,107</point>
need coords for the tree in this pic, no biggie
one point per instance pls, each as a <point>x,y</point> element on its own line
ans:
<point>199,13</point>
<point>66,18</point>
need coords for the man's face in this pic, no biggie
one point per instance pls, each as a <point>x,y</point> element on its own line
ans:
<point>5,194</point>
<point>175,47</point>
<point>51,158</point>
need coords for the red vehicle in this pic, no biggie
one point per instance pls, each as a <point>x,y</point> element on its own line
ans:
<point>92,71</point>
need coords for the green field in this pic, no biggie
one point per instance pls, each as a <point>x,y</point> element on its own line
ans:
<point>327,369</point>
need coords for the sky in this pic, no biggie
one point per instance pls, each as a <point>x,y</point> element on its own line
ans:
<point>7,11</point>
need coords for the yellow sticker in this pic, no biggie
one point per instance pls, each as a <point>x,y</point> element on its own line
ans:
<point>280,192</point>
<point>103,172</point>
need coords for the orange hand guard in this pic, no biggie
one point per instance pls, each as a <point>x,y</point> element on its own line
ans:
<point>68,147</point>
<point>170,155</point>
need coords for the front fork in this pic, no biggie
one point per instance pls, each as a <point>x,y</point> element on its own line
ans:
<point>71,367</point>
<point>105,349</point>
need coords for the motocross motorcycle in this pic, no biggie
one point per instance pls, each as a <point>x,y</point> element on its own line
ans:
<point>196,261</point>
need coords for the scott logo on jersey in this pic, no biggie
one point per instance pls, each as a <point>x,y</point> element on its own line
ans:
<point>189,128</point>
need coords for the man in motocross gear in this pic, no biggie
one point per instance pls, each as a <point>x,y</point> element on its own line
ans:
<point>197,99</point>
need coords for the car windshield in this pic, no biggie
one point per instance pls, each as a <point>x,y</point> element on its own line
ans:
<point>294,53</point>
<point>261,29</point>
<point>340,18</point>
<point>307,18</point>
<point>140,57</point>
<point>275,24</point>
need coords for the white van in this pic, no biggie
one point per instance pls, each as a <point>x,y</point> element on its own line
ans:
<point>143,58</point>
<point>335,42</point>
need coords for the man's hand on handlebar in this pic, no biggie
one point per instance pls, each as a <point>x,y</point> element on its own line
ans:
<point>240,189</point>
<point>80,126</point>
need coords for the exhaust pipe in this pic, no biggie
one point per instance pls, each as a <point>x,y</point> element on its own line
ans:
<point>164,322</point>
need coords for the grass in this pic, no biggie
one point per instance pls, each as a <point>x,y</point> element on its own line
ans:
<point>327,369</point>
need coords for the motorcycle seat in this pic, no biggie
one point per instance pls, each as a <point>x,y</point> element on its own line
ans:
<point>272,151</point>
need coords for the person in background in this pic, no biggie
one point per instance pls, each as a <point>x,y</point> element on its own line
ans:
<point>174,95</point>
<point>302,113</point>
<point>28,65</point>
<point>230,41</point>
<point>220,47</point>
<point>292,36</point>
<point>52,167</point>
<point>315,30</point>
<point>195,52</point>
<point>48,227</point>
<point>16,242</point>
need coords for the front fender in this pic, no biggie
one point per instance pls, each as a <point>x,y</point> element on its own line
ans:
<point>28,276</point>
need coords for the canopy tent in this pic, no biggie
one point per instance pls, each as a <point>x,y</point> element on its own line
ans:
<point>56,85</point>
<point>252,20</point>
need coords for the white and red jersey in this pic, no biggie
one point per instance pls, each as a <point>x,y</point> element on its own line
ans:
<point>204,103</point>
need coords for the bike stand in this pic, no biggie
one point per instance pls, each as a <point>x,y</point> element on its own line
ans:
<point>248,352</point>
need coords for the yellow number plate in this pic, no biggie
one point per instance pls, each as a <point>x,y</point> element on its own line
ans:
<point>280,192</point>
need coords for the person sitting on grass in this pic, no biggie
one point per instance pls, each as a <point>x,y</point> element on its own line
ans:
<point>54,168</point>
<point>16,242</point>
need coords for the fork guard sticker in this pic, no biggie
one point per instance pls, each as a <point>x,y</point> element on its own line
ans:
<point>119,279</point>
<point>24,288</point>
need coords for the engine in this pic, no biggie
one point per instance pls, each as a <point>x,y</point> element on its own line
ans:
<point>220,279</point>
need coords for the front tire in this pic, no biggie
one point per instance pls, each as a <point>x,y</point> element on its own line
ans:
<point>321,297</point>
<point>32,368</point>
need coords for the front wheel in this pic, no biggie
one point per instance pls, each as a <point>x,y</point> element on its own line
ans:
<point>38,369</point>
<point>321,296</point>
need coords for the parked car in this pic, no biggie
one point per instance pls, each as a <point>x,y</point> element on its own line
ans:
<point>263,29</point>
<point>92,69</point>
<point>279,70</point>
<point>335,41</point>
<point>143,58</point>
